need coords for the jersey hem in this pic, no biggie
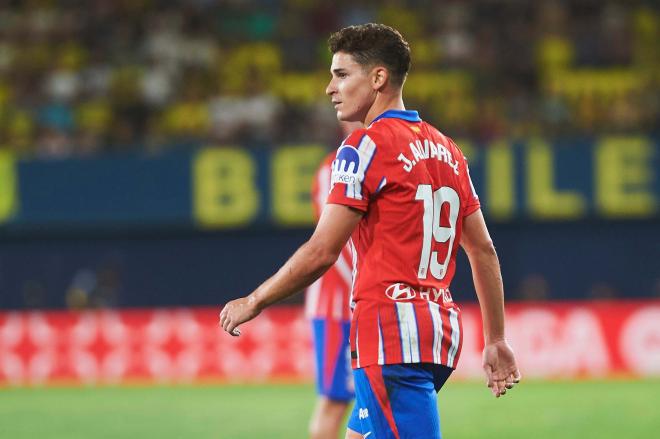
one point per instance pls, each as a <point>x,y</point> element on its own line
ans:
<point>359,206</point>
<point>387,363</point>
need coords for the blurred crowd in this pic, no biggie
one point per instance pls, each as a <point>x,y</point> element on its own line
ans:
<point>87,77</point>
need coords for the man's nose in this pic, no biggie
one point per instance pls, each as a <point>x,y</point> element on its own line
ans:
<point>330,89</point>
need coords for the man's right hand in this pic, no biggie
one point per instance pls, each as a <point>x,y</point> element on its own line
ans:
<point>500,366</point>
<point>236,312</point>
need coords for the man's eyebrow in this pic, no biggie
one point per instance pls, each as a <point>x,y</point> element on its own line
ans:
<point>338,70</point>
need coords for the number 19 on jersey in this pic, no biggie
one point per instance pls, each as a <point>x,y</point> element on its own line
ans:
<point>433,202</point>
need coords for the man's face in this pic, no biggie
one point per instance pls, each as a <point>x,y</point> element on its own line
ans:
<point>350,89</point>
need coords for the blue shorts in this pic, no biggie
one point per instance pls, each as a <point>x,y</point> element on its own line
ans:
<point>334,377</point>
<point>398,401</point>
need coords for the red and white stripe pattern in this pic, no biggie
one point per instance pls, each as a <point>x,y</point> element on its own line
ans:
<point>380,171</point>
<point>329,296</point>
<point>406,332</point>
<point>354,262</point>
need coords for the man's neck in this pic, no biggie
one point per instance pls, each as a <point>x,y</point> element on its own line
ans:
<point>383,103</point>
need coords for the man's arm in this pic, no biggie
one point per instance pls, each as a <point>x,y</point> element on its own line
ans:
<point>306,265</point>
<point>498,360</point>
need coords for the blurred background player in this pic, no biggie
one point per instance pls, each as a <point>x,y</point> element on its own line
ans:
<point>327,304</point>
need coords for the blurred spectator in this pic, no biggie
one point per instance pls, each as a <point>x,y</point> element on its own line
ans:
<point>533,287</point>
<point>98,288</point>
<point>108,286</point>
<point>126,76</point>
<point>602,290</point>
<point>81,288</point>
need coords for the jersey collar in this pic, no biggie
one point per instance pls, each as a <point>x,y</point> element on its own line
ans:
<point>409,115</point>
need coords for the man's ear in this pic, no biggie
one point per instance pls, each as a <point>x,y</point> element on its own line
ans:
<point>380,78</point>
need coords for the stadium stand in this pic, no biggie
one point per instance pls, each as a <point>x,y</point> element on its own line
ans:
<point>119,76</point>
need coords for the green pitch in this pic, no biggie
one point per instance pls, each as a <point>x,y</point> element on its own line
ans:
<point>537,410</point>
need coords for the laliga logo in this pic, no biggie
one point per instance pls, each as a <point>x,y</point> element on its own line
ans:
<point>346,166</point>
<point>347,161</point>
<point>400,292</point>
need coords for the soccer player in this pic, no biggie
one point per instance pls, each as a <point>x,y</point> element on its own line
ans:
<point>402,190</point>
<point>326,304</point>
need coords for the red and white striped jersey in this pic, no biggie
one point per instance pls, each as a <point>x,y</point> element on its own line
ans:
<point>329,296</point>
<point>413,184</point>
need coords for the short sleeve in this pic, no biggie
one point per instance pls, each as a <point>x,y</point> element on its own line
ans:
<point>470,200</point>
<point>356,173</point>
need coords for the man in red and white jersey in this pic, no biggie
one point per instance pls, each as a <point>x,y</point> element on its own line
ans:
<point>327,306</point>
<point>403,191</point>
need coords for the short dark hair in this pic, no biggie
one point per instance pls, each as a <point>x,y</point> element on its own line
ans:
<point>371,44</point>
